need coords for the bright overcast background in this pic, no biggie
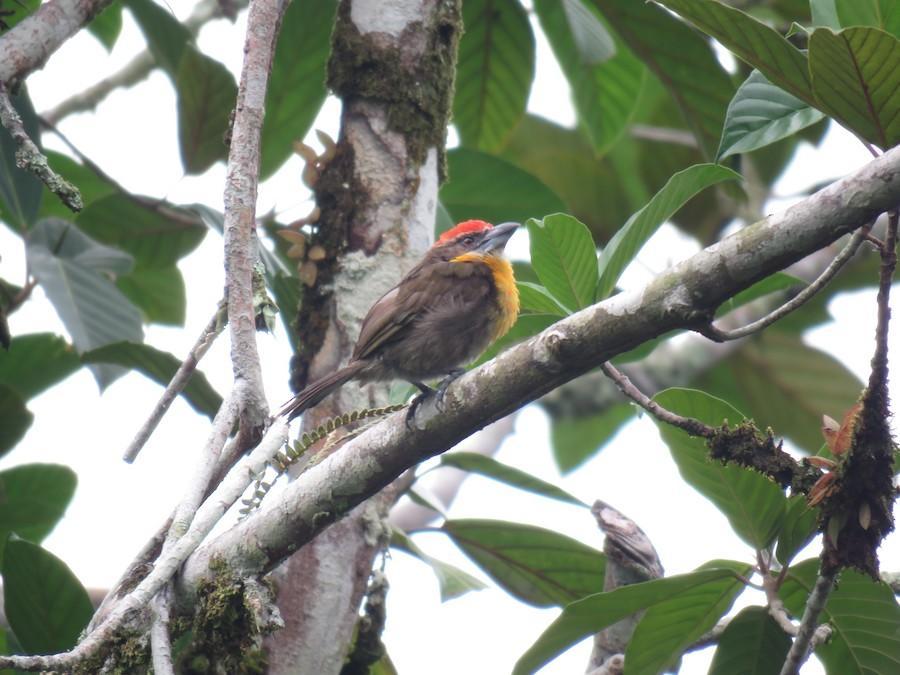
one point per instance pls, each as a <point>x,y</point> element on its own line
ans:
<point>133,137</point>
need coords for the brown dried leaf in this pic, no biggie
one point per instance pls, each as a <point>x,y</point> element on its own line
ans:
<point>845,434</point>
<point>823,487</point>
<point>296,251</point>
<point>306,152</point>
<point>316,253</point>
<point>292,236</point>
<point>310,176</point>
<point>821,463</point>
<point>307,273</point>
<point>329,145</point>
<point>830,428</point>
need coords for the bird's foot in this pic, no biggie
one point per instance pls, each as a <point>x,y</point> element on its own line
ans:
<point>416,402</point>
<point>442,387</point>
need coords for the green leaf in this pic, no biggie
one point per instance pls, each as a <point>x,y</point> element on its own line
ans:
<point>780,281</point>
<point>36,362</point>
<point>682,60</point>
<point>576,439</point>
<point>592,614</point>
<point>604,90</point>
<point>797,530</point>
<point>669,627</point>
<point>206,97</point>
<point>784,384</point>
<point>160,367</point>
<point>856,80</point>
<point>154,238</point>
<point>91,186</point>
<point>166,37</point>
<point>493,73</point>
<point>752,41</point>
<point>761,114</point>
<point>70,268</point>
<point>884,14</point>
<point>15,418</point>
<point>297,83</point>
<point>753,504</point>
<point>45,604</point>
<point>158,292</point>
<point>594,42</point>
<point>752,644</point>
<point>490,467</point>
<point>535,299</point>
<point>564,257</point>
<point>628,241</point>
<point>35,497</point>
<point>537,566</point>
<point>18,11</point>
<point>107,26</point>
<point>485,187</point>
<point>864,615</point>
<point>20,191</point>
<point>453,581</point>
<point>591,188</point>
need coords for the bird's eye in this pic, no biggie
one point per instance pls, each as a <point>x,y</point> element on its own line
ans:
<point>468,241</point>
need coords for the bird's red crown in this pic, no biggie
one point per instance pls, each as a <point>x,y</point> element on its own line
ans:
<point>463,228</point>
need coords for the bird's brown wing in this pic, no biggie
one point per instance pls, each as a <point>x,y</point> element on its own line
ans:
<point>428,285</point>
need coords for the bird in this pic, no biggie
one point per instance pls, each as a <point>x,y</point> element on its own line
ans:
<point>442,315</point>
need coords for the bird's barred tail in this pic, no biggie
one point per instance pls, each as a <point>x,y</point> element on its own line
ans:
<point>319,389</point>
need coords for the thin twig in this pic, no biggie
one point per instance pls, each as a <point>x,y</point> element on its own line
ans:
<point>30,158</point>
<point>808,635</point>
<point>135,70</point>
<point>878,374</point>
<point>709,638</point>
<point>722,335</point>
<point>664,135</point>
<point>692,426</point>
<point>160,644</point>
<point>177,384</point>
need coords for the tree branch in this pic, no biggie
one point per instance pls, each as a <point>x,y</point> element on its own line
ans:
<point>807,634</point>
<point>31,41</point>
<point>680,298</point>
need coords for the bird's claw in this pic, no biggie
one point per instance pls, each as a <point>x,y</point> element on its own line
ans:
<point>442,387</point>
<point>416,402</point>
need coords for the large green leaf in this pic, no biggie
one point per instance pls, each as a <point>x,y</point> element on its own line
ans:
<point>45,604</point>
<point>628,241</point>
<point>884,14</point>
<point>166,37</point>
<point>537,566</point>
<point>761,114</point>
<point>753,504</point>
<point>158,292</point>
<point>592,39</point>
<point>18,11</point>
<point>592,188</point>
<point>594,613</point>
<point>564,257</point>
<point>752,41</point>
<point>797,529</point>
<point>35,362</point>
<point>535,299</point>
<point>453,581</point>
<point>15,418</point>
<point>784,384</point>
<point>489,188</point>
<point>576,439</point>
<point>490,467</point>
<point>667,628</point>
<point>682,60</point>
<point>752,644</point>
<point>20,191</point>
<point>206,96</point>
<point>71,269</point>
<point>35,497</point>
<point>107,25</point>
<point>493,73</point>
<point>297,82</point>
<point>153,237</point>
<point>160,367</point>
<point>865,617</point>
<point>605,93</point>
<point>856,80</point>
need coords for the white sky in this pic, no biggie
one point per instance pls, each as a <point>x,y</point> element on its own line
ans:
<point>117,507</point>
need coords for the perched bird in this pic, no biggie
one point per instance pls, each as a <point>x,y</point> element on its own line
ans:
<point>459,299</point>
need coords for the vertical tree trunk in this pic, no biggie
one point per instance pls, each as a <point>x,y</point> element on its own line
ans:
<point>393,67</point>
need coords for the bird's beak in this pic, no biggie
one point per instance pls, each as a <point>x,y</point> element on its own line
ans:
<point>495,238</point>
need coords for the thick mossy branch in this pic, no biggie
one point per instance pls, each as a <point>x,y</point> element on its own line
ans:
<point>417,92</point>
<point>747,446</point>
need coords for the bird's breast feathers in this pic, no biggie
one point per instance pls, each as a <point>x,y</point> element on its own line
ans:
<point>505,285</point>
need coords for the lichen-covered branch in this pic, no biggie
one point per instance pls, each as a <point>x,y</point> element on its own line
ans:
<point>30,158</point>
<point>680,298</point>
<point>31,41</point>
<point>806,631</point>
